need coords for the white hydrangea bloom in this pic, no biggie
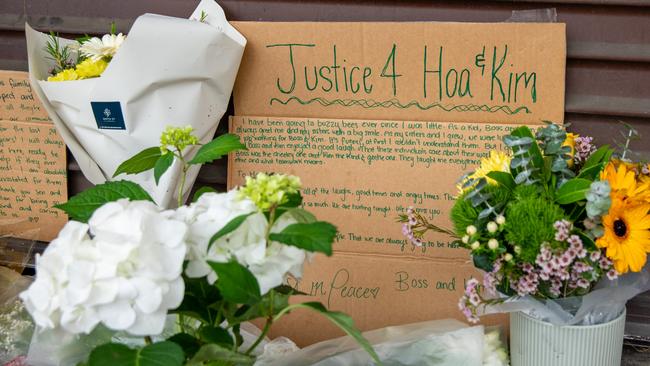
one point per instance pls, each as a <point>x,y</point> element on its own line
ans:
<point>123,269</point>
<point>247,244</point>
<point>107,46</point>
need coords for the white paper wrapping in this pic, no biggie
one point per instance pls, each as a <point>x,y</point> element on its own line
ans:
<point>169,71</point>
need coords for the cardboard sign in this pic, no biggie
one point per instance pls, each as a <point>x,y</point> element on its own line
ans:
<point>468,72</point>
<point>360,175</point>
<point>32,164</point>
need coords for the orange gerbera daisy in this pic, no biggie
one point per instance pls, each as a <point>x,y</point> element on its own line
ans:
<point>627,235</point>
<point>623,182</point>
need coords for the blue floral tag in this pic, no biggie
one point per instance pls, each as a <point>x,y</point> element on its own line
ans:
<point>108,115</point>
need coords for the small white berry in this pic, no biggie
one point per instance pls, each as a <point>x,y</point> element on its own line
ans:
<point>475,245</point>
<point>517,249</point>
<point>493,244</point>
<point>465,239</point>
<point>501,219</point>
<point>471,230</point>
<point>492,227</point>
<point>507,257</point>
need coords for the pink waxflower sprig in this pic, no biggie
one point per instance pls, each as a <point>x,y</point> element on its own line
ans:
<point>415,226</point>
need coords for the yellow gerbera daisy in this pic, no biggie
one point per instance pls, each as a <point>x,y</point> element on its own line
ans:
<point>571,143</point>
<point>496,161</point>
<point>623,182</point>
<point>627,235</point>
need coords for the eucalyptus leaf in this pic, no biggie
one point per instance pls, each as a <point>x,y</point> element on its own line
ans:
<point>140,162</point>
<point>236,283</point>
<point>314,237</point>
<point>82,206</point>
<point>161,166</point>
<point>217,148</point>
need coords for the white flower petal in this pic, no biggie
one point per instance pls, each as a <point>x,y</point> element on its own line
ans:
<point>118,315</point>
<point>149,295</point>
<point>79,320</point>
<point>148,324</point>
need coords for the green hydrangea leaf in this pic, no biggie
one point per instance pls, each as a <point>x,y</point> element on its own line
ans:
<point>158,354</point>
<point>217,148</point>
<point>231,226</point>
<point>162,164</point>
<point>236,283</point>
<point>201,191</point>
<point>214,354</point>
<point>346,324</point>
<point>82,206</point>
<point>140,162</point>
<point>314,237</point>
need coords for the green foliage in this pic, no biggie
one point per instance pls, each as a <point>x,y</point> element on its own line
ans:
<point>201,191</point>
<point>162,164</point>
<point>216,355</point>
<point>463,214</point>
<point>573,190</point>
<point>552,138</point>
<point>344,322</point>
<point>140,162</point>
<point>158,354</point>
<point>315,237</point>
<point>82,206</point>
<point>231,226</point>
<point>530,218</point>
<point>236,283</point>
<point>217,148</point>
<point>596,162</point>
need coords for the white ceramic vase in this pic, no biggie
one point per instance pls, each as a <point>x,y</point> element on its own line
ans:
<point>537,343</point>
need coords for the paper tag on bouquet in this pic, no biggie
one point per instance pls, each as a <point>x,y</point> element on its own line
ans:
<point>168,72</point>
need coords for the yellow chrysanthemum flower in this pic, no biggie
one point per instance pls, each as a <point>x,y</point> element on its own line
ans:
<point>627,235</point>
<point>571,143</point>
<point>91,69</point>
<point>64,75</point>
<point>497,161</point>
<point>623,182</point>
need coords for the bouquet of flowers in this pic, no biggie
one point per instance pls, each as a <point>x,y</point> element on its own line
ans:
<point>111,97</point>
<point>555,221</point>
<point>125,264</point>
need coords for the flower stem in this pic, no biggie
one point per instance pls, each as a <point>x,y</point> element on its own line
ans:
<point>183,177</point>
<point>259,339</point>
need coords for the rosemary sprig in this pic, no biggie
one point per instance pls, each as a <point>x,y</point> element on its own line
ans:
<point>59,54</point>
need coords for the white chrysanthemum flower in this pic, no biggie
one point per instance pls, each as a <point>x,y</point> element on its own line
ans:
<point>270,265</point>
<point>107,46</point>
<point>123,269</point>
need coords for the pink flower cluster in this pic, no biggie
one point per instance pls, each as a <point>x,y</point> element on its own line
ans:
<point>470,301</point>
<point>407,228</point>
<point>583,149</point>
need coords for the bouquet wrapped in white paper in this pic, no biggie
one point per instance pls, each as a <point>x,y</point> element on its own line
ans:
<point>166,71</point>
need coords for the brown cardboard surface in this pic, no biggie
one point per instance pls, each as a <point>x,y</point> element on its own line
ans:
<point>32,164</point>
<point>427,71</point>
<point>359,175</point>
<point>377,291</point>
<point>17,102</point>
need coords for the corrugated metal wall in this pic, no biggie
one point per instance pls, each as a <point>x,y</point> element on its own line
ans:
<point>608,66</point>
